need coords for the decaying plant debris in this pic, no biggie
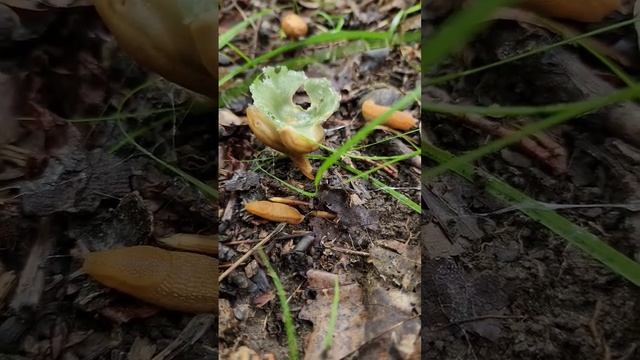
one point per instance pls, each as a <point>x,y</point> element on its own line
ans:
<point>500,285</point>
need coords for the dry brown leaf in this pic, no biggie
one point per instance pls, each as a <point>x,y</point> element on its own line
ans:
<point>386,323</point>
<point>349,332</point>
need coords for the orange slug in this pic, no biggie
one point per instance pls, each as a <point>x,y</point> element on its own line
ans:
<point>274,212</point>
<point>400,120</point>
<point>173,280</point>
<point>289,201</point>
<point>205,244</point>
<point>579,10</point>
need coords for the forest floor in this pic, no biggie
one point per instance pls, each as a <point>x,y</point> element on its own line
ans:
<point>372,244</point>
<point>71,182</point>
<point>496,283</point>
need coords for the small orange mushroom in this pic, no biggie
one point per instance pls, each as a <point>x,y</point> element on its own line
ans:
<point>294,26</point>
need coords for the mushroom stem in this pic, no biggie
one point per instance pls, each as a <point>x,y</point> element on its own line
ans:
<point>303,164</point>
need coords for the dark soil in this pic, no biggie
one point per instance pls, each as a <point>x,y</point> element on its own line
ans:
<point>498,285</point>
<point>75,194</point>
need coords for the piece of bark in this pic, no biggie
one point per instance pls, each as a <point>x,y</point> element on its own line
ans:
<point>32,278</point>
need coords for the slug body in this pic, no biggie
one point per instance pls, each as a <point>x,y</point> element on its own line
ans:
<point>205,244</point>
<point>173,280</point>
<point>400,120</point>
<point>160,36</point>
<point>275,212</point>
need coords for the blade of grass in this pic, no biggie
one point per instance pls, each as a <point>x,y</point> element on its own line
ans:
<point>333,317</point>
<point>323,38</point>
<point>403,199</point>
<point>498,110</point>
<point>393,160</point>
<point>204,188</point>
<point>286,184</point>
<point>141,114</point>
<point>284,306</point>
<point>457,31</point>
<point>226,38</point>
<point>558,224</point>
<point>363,132</point>
<point>239,52</point>
<point>401,15</point>
<point>569,113</point>
<point>449,77</point>
<point>139,132</point>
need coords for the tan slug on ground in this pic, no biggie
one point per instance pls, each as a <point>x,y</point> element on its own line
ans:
<point>174,280</point>
<point>175,38</point>
<point>275,211</point>
<point>400,120</point>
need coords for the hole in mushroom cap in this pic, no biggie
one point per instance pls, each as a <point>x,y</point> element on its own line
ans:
<point>301,98</point>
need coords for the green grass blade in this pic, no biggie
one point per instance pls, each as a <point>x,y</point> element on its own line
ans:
<point>363,132</point>
<point>457,31</point>
<point>286,184</point>
<point>284,306</point>
<point>323,38</point>
<point>403,199</point>
<point>401,15</point>
<point>140,132</point>
<point>561,226</point>
<point>498,110</point>
<point>204,188</point>
<point>226,38</point>
<point>542,49</point>
<point>573,111</point>
<point>333,317</point>
<point>393,160</point>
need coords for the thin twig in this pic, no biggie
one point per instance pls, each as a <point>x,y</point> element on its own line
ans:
<point>474,319</point>
<point>248,253</point>
<point>347,251</point>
